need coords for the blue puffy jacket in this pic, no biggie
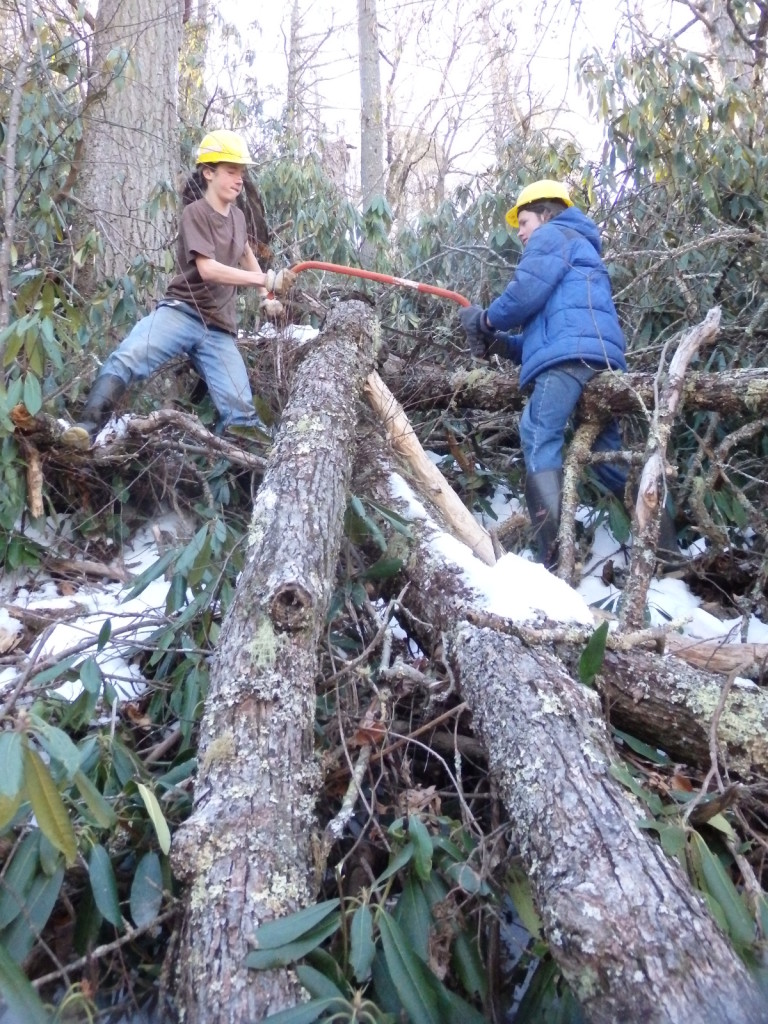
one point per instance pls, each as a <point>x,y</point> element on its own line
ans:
<point>560,297</point>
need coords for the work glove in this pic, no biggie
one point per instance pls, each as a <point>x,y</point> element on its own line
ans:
<point>273,309</point>
<point>479,334</point>
<point>281,282</point>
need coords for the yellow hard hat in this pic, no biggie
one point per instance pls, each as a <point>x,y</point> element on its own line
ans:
<point>537,190</point>
<point>223,147</point>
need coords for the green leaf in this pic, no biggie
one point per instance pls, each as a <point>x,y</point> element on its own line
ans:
<point>21,1000</point>
<point>147,890</point>
<point>456,1010</point>
<point>58,745</point>
<point>362,948</point>
<point>383,569</point>
<point>47,805</point>
<point>422,846</point>
<point>721,823</point>
<point>90,674</point>
<point>318,985</point>
<point>21,936</point>
<point>718,884</point>
<point>305,1013</point>
<point>413,915</point>
<point>646,751</point>
<point>519,889</point>
<point>150,575</point>
<point>33,395</point>
<point>293,926</point>
<point>48,675</point>
<point>467,879</point>
<point>415,985</point>
<point>100,809</point>
<point>104,886</point>
<point>591,660</point>
<point>672,836</point>
<point>156,817</point>
<point>18,877</point>
<point>371,527</point>
<point>281,956</point>
<point>104,634</point>
<point>652,800</point>
<point>9,807</point>
<point>468,965</point>
<point>398,861</point>
<point>12,760</point>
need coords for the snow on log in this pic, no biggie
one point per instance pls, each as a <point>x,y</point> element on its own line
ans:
<point>246,852</point>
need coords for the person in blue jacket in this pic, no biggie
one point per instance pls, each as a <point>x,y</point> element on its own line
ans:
<point>560,302</point>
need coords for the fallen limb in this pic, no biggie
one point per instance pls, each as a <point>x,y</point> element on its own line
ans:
<point>671,705</point>
<point>428,479</point>
<point>652,489</point>
<point>737,392</point>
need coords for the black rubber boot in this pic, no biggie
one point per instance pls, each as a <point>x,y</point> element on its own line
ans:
<point>667,547</point>
<point>543,495</point>
<point>105,392</point>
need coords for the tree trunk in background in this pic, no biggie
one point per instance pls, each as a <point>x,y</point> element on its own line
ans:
<point>293,119</point>
<point>629,933</point>
<point>16,56</point>
<point>194,97</point>
<point>729,45</point>
<point>371,118</point>
<point>246,852</point>
<point>128,180</point>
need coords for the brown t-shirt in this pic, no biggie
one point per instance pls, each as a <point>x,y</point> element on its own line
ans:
<point>204,232</point>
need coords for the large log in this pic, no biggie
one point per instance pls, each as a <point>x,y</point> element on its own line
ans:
<point>743,393</point>
<point>246,852</point>
<point>671,705</point>
<point>634,940</point>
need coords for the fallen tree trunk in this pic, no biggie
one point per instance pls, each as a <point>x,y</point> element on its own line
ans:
<point>742,393</point>
<point>634,940</point>
<point>246,852</point>
<point>671,705</point>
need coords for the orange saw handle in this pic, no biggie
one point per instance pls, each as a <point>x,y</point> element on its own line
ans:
<point>372,275</point>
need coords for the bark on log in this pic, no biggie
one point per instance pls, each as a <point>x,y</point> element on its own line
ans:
<point>246,852</point>
<point>742,393</point>
<point>671,705</point>
<point>628,931</point>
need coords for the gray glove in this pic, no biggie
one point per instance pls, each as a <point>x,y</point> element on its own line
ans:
<point>479,334</point>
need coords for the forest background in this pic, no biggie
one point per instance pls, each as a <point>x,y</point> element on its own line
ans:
<point>102,109</point>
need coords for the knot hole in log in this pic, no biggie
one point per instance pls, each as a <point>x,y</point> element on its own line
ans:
<point>291,607</point>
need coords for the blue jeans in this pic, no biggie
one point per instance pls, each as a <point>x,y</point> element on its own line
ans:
<point>556,393</point>
<point>170,332</point>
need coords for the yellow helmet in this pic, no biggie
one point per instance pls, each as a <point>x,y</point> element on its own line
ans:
<point>223,147</point>
<point>544,189</point>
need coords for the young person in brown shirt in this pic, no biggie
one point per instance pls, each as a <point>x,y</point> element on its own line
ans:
<point>197,317</point>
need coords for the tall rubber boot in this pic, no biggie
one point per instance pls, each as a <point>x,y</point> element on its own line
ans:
<point>543,495</point>
<point>105,392</point>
